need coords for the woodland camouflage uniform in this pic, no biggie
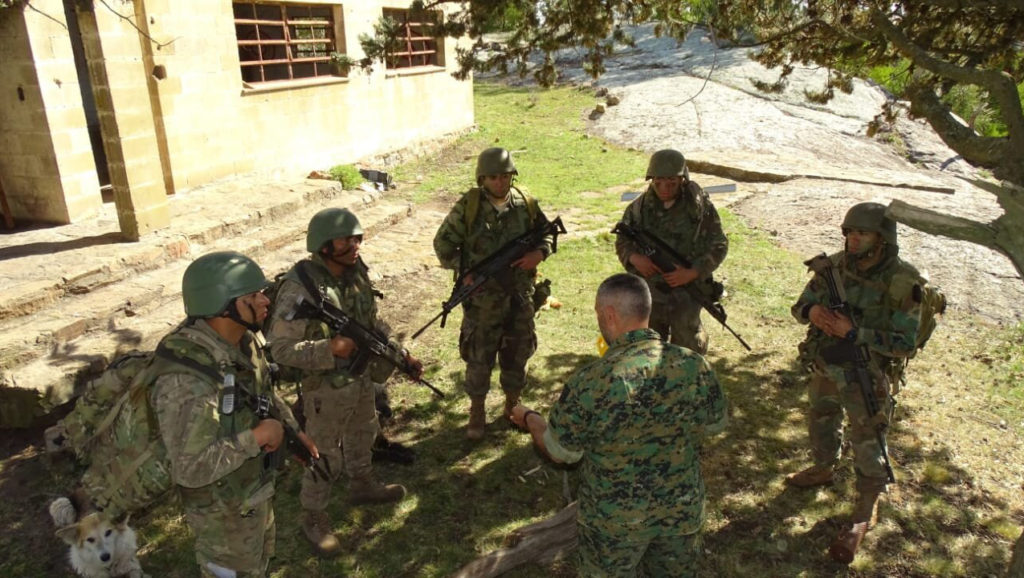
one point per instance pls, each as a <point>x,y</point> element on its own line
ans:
<point>884,300</point>
<point>887,315</point>
<point>498,319</point>
<point>339,407</point>
<point>692,227</point>
<point>225,480</point>
<point>636,418</point>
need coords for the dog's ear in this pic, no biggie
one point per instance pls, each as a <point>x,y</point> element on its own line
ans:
<point>122,523</point>
<point>68,533</point>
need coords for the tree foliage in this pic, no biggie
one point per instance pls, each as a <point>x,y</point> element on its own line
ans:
<point>941,51</point>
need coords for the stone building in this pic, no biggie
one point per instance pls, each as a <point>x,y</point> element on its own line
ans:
<point>141,99</point>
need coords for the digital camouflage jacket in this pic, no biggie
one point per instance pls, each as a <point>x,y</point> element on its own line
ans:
<point>691,226</point>
<point>636,418</point>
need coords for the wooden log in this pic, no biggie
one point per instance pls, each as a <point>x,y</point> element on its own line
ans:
<point>541,543</point>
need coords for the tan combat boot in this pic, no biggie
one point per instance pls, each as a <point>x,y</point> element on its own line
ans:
<point>477,418</point>
<point>811,477</point>
<point>865,516</point>
<point>317,528</point>
<point>369,491</point>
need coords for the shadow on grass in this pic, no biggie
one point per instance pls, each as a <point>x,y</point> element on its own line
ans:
<point>759,526</point>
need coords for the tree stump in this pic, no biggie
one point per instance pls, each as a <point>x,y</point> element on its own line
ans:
<point>540,543</point>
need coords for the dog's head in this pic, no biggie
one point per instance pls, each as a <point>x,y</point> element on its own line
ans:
<point>94,538</point>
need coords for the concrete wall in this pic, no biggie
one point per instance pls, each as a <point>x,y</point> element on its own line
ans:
<point>215,126</point>
<point>175,113</point>
<point>46,161</point>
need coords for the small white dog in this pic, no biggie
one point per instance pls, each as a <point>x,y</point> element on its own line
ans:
<point>99,548</point>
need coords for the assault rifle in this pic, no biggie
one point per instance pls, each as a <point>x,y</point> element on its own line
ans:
<point>369,342</point>
<point>495,264</point>
<point>847,351</point>
<point>263,409</point>
<point>706,292</point>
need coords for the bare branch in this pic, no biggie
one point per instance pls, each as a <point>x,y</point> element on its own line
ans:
<point>44,14</point>
<point>985,151</point>
<point>132,23</point>
<point>1000,235</point>
<point>936,223</point>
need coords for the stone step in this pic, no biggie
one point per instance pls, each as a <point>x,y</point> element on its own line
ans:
<point>39,271</point>
<point>55,351</point>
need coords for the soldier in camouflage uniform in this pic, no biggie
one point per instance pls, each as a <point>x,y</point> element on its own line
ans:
<point>498,320</point>
<point>339,406</point>
<point>218,449</point>
<point>884,294</point>
<point>677,211</point>
<point>635,418</point>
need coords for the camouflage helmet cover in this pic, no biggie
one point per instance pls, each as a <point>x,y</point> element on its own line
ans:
<point>667,163</point>
<point>332,223</point>
<point>870,217</point>
<point>212,281</point>
<point>494,161</point>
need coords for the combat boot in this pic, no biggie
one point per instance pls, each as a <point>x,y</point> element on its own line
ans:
<point>317,528</point>
<point>369,491</point>
<point>811,477</point>
<point>477,418</point>
<point>864,518</point>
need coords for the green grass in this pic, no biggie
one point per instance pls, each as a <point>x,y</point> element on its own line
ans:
<point>954,512</point>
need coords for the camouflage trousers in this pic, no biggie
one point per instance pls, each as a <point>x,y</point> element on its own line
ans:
<point>676,317</point>
<point>497,326</point>
<point>604,556</point>
<point>343,423</point>
<point>232,543</point>
<point>830,395</point>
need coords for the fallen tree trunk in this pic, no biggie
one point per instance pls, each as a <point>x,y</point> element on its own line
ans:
<point>541,543</point>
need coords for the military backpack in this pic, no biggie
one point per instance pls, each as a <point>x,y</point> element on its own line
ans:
<point>113,432</point>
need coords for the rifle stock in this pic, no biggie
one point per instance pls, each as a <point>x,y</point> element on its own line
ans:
<point>846,351</point>
<point>706,293</point>
<point>370,342</point>
<point>495,264</point>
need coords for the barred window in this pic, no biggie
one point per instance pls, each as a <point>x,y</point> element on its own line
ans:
<point>416,45</point>
<point>284,41</point>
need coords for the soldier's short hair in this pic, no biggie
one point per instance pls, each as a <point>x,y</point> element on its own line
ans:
<point>628,294</point>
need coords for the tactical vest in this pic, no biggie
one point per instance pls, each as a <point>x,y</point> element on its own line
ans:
<point>873,299</point>
<point>353,293</point>
<point>686,235</point>
<point>485,234</point>
<point>191,346</point>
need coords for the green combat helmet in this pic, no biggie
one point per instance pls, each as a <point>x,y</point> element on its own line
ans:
<point>494,161</point>
<point>330,224</point>
<point>667,163</point>
<point>212,281</point>
<point>870,217</point>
